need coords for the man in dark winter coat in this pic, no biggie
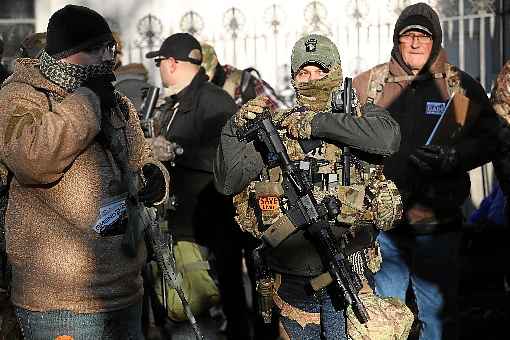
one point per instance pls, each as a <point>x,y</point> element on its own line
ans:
<point>433,179</point>
<point>193,117</point>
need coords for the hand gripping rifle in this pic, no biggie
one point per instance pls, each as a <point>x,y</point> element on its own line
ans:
<point>166,261</point>
<point>305,212</point>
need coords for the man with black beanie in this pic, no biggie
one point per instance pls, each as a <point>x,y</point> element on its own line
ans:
<point>431,173</point>
<point>81,167</point>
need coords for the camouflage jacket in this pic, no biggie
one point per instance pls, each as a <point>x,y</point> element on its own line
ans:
<point>239,168</point>
<point>500,99</point>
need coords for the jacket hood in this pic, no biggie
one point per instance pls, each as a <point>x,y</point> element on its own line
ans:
<point>27,71</point>
<point>426,12</point>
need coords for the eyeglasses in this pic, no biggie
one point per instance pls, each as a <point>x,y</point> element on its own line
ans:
<point>110,48</point>
<point>409,38</point>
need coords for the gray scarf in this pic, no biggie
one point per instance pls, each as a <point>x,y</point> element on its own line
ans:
<point>71,76</point>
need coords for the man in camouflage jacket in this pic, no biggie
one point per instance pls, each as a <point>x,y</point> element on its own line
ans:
<point>306,312</point>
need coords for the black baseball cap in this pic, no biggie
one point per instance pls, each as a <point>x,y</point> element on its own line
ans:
<point>180,46</point>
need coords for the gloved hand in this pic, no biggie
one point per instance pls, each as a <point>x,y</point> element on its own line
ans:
<point>155,186</point>
<point>435,160</point>
<point>299,124</point>
<point>250,110</point>
<point>102,86</point>
<point>163,149</point>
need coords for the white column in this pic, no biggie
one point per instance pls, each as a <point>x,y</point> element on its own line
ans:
<point>461,35</point>
<point>482,52</point>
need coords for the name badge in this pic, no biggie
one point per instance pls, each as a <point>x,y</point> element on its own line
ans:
<point>112,211</point>
<point>435,108</point>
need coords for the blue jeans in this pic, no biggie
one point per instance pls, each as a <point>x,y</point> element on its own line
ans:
<point>431,264</point>
<point>124,324</point>
<point>332,318</point>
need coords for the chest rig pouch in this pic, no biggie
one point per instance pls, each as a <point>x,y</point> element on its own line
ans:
<point>370,199</point>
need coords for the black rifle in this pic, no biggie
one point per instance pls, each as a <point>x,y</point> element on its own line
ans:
<point>346,152</point>
<point>147,118</point>
<point>305,212</point>
<point>147,113</point>
<point>159,244</point>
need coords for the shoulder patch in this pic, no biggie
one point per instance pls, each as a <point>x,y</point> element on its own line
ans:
<point>20,117</point>
<point>311,45</point>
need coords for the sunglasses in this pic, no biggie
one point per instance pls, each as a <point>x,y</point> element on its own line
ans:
<point>160,59</point>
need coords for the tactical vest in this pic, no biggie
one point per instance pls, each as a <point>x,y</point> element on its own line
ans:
<point>379,76</point>
<point>261,207</point>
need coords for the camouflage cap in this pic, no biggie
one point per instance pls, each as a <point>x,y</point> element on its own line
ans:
<point>209,59</point>
<point>314,48</point>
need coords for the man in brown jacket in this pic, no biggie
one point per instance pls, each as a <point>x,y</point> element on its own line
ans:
<point>80,166</point>
<point>415,87</point>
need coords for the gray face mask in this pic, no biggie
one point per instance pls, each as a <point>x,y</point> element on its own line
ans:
<point>71,76</point>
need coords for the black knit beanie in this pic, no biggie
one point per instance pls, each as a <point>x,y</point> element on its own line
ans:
<point>74,28</point>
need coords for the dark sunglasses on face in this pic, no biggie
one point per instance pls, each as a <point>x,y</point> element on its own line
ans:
<point>158,60</point>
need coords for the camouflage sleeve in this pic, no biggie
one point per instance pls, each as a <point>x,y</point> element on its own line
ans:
<point>236,163</point>
<point>500,97</point>
<point>375,132</point>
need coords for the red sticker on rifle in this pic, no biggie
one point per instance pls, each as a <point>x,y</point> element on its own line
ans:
<point>269,203</point>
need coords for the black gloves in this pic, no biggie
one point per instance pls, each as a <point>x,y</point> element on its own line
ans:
<point>436,160</point>
<point>102,86</point>
<point>155,186</point>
